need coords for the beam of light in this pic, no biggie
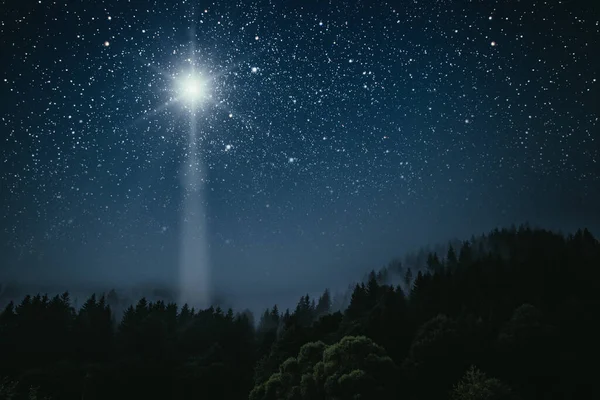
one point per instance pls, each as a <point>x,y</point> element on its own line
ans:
<point>194,261</point>
<point>193,90</point>
<point>194,284</point>
<point>152,113</point>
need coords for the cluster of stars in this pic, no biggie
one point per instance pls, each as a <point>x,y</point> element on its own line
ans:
<point>307,110</point>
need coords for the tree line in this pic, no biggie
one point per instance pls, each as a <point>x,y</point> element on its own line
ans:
<point>507,315</point>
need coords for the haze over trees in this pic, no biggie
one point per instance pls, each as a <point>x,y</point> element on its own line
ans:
<point>508,315</point>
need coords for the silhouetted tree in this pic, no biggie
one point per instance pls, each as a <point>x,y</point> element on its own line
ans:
<point>527,352</point>
<point>408,278</point>
<point>475,385</point>
<point>435,351</point>
<point>324,305</point>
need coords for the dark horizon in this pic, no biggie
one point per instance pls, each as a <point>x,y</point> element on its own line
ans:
<point>318,142</point>
<point>240,298</point>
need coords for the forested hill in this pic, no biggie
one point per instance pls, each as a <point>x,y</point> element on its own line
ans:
<point>512,314</point>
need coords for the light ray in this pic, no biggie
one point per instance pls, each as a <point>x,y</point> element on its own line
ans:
<point>154,112</point>
<point>194,262</point>
<point>192,89</point>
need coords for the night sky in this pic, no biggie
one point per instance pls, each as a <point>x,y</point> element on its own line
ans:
<point>332,135</point>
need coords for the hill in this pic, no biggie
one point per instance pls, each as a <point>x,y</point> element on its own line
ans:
<point>511,314</point>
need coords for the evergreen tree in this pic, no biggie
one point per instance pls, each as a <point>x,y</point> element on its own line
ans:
<point>323,307</point>
<point>451,260</point>
<point>408,278</point>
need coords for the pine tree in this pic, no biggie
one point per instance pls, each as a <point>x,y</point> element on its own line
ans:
<point>451,260</point>
<point>324,305</point>
<point>408,278</point>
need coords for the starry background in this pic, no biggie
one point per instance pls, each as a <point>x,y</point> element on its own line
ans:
<point>341,134</point>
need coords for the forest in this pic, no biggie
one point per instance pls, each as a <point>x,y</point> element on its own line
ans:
<point>507,315</point>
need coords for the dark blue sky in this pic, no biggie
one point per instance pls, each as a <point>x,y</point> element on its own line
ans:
<point>337,135</point>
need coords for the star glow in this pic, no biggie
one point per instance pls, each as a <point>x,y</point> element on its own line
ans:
<point>193,88</point>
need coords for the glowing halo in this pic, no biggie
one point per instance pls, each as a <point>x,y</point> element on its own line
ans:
<point>192,88</point>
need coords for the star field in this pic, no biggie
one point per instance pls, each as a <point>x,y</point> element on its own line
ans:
<point>337,133</point>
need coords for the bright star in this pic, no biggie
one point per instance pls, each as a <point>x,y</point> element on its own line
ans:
<point>193,88</point>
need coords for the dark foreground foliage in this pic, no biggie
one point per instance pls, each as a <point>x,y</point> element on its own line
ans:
<point>510,315</point>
